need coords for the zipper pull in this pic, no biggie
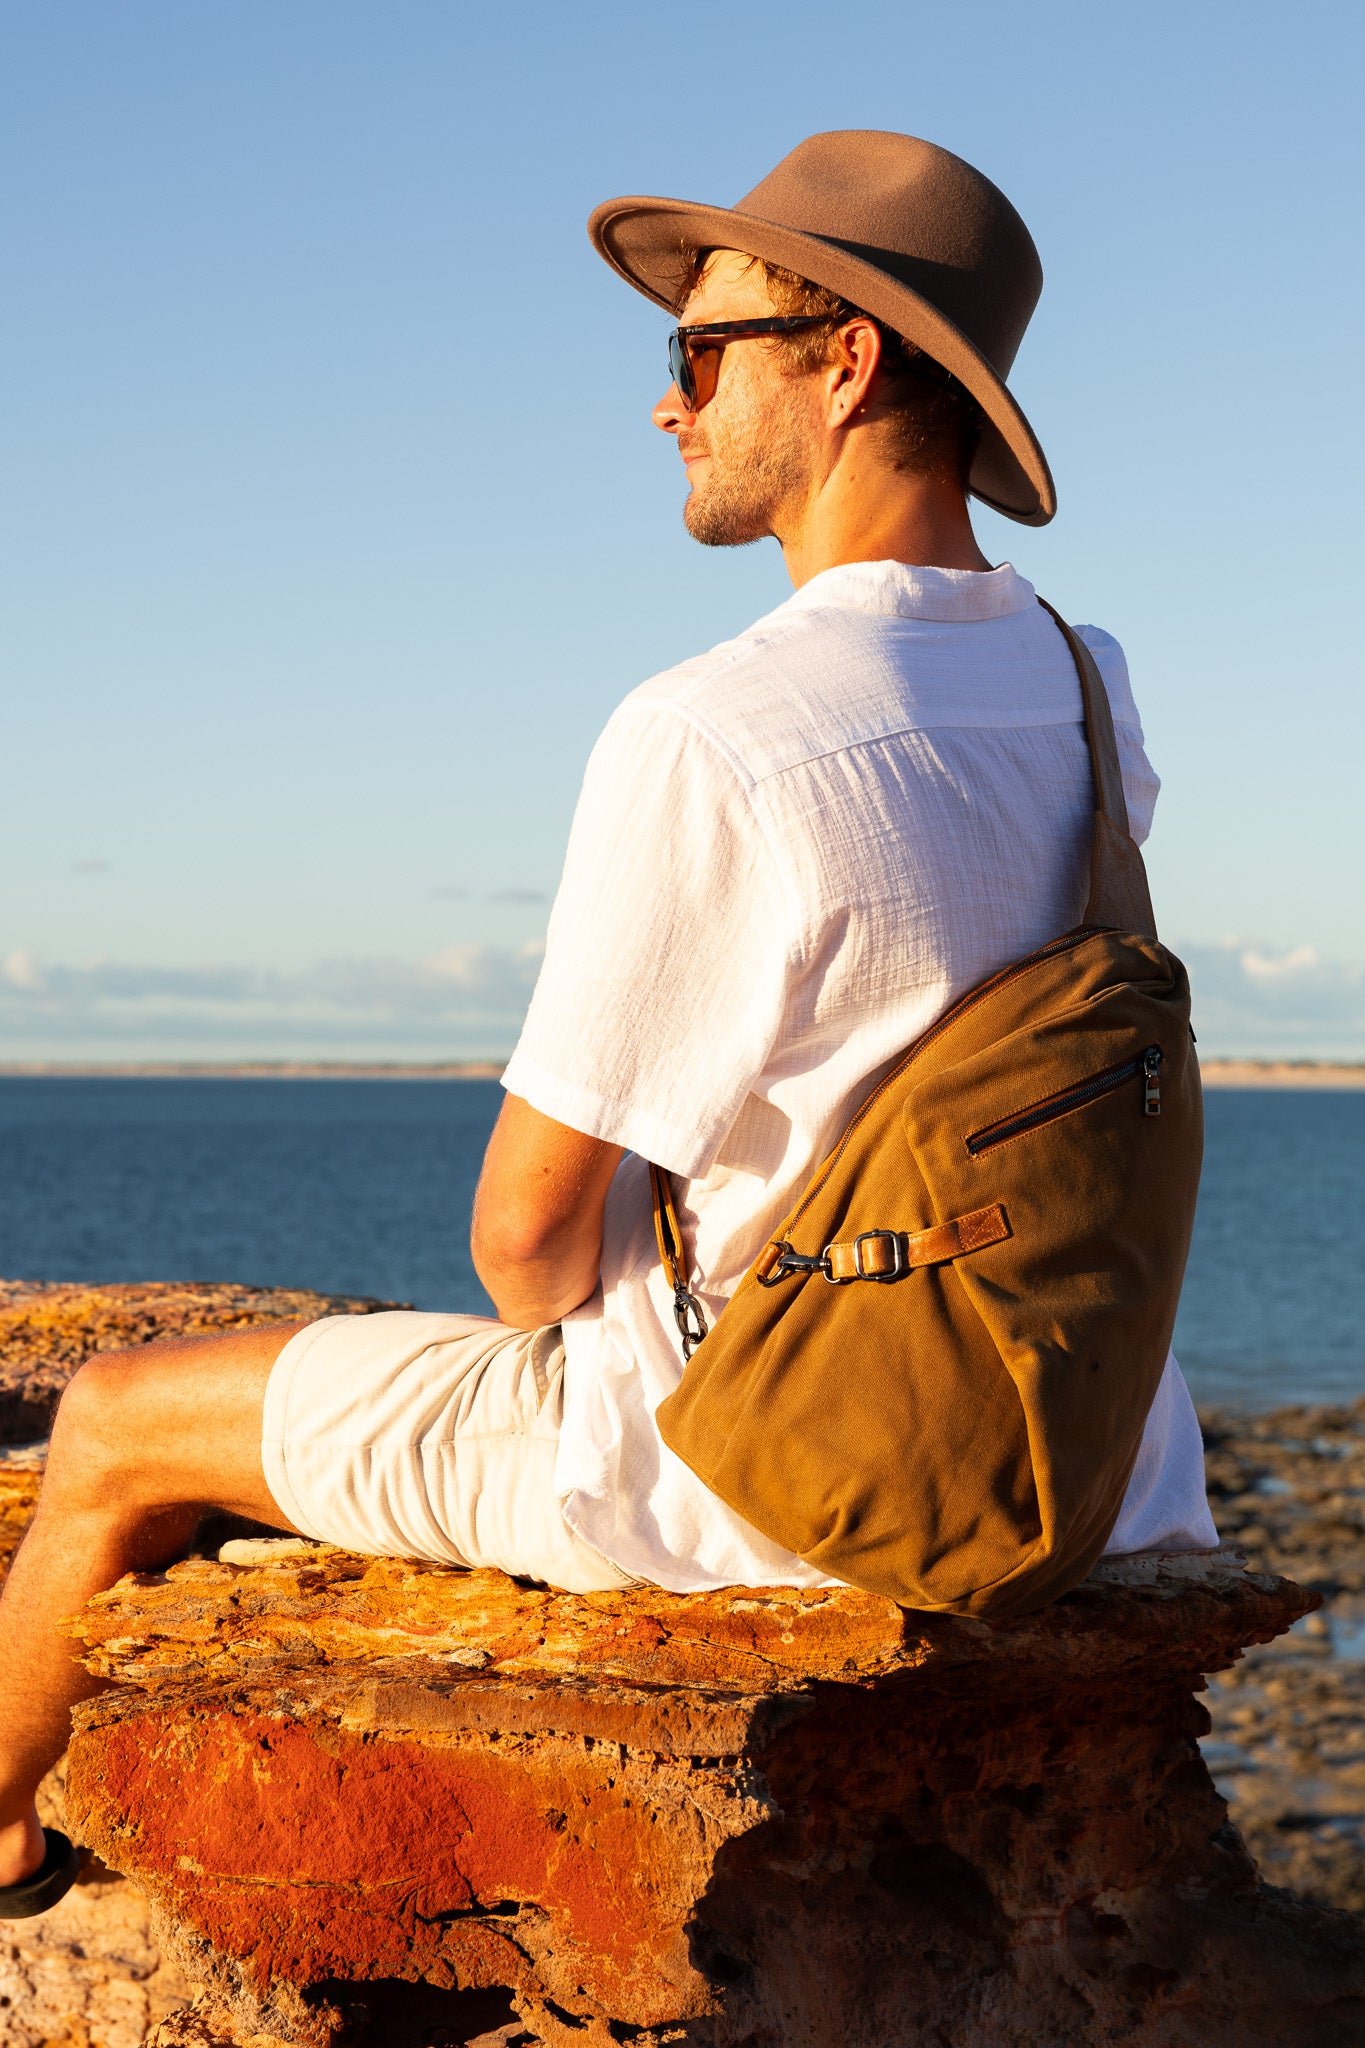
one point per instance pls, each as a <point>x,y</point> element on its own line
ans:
<point>1151,1067</point>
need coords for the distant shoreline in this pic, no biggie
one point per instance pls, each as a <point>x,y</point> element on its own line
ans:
<point>1283,1073</point>
<point>1217,1073</point>
<point>253,1070</point>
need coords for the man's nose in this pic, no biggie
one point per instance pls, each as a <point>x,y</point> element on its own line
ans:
<point>672,412</point>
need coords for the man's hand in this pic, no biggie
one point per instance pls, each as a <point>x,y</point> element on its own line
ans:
<point>537,1234</point>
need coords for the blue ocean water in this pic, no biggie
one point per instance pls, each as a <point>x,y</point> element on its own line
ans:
<point>364,1187</point>
<point>349,1187</point>
<point>1274,1302</point>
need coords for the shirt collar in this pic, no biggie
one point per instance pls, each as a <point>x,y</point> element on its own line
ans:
<point>901,590</point>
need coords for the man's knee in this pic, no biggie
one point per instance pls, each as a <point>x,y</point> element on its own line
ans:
<point>101,1422</point>
<point>169,1423</point>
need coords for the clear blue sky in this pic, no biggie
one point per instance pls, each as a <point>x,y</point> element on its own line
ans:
<point>334,526</point>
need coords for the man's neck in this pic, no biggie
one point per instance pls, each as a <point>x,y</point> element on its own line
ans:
<point>873,513</point>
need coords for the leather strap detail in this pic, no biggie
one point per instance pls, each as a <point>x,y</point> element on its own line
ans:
<point>886,1254</point>
<point>1099,727</point>
<point>768,1258</point>
<point>1118,894</point>
<point>667,1229</point>
<point>688,1312</point>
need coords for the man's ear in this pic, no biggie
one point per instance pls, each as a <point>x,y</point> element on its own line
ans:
<point>858,351</point>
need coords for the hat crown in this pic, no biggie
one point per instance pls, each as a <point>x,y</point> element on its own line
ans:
<point>920,214</point>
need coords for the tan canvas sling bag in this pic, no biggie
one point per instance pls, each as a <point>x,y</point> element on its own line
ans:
<point>932,1383</point>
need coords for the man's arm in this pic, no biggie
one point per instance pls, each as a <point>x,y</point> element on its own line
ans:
<point>537,1233</point>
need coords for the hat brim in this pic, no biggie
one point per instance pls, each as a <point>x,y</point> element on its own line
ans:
<point>642,239</point>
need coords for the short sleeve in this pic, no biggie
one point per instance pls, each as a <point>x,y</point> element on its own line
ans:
<point>1141,783</point>
<point>667,957</point>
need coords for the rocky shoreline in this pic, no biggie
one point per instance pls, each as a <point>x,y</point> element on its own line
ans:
<point>1288,1741</point>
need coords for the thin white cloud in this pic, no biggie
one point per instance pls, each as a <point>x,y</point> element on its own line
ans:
<point>469,1000</point>
<point>1264,967</point>
<point>1257,1000</point>
<point>463,999</point>
<point>22,971</point>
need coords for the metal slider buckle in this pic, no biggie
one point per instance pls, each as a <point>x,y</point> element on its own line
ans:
<point>900,1259</point>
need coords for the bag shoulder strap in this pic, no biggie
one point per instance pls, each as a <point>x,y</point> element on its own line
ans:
<point>1118,894</point>
<point>1118,897</point>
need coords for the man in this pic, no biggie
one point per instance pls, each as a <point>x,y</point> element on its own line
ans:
<point>791,854</point>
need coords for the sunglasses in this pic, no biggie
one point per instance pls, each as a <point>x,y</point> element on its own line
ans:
<point>686,344</point>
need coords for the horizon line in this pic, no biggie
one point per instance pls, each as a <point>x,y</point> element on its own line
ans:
<point>1218,1070</point>
<point>265,1070</point>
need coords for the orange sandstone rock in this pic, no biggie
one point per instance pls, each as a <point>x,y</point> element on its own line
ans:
<point>19,1483</point>
<point>724,1819</point>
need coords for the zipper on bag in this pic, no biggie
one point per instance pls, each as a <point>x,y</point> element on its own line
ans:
<point>1064,944</point>
<point>1147,1066</point>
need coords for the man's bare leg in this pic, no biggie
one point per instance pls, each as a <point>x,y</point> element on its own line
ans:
<point>145,1441</point>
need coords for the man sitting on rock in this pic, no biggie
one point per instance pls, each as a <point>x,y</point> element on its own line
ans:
<point>790,856</point>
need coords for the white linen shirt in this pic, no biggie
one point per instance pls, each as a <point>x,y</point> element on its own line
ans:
<point>789,857</point>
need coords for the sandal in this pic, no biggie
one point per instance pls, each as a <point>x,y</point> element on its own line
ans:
<point>52,1880</point>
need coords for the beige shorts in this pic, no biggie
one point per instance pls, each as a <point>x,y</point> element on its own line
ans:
<point>409,1435</point>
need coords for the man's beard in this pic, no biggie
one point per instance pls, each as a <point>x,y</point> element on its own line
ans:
<point>754,471</point>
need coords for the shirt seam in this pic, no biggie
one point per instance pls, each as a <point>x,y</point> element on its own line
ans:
<point>921,618</point>
<point>751,781</point>
<point>901,732</point>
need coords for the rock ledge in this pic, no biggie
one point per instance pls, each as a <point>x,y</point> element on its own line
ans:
<point>385,1802</point>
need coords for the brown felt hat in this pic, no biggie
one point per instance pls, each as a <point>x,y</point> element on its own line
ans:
<point>903,230</point>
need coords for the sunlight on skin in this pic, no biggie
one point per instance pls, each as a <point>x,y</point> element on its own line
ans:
<point>144,1441</point>
<point>840,496</point>
<point>536,1235</point>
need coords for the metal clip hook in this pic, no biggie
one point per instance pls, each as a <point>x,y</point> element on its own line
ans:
<point>690,1317</point>
<point>793,1262</point>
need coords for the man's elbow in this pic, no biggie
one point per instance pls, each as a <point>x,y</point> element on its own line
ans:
<point>502,1248</point>
<point>534,1270</point>
<point>508,1243</point>
<point>536,1234</point>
